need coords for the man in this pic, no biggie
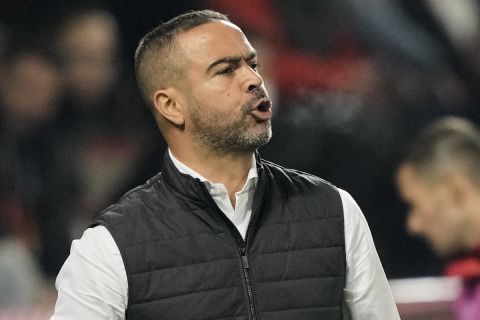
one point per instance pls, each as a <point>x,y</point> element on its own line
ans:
<point>440,179</point>
<point>221,233</point>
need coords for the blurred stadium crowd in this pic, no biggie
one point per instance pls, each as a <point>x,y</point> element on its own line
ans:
<point>352,83</point>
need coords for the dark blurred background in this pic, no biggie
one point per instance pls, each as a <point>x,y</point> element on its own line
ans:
<point>352,83</point>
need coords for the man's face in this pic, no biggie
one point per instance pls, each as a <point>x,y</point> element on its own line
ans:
<point>228,106</point>
<point>433,214</point>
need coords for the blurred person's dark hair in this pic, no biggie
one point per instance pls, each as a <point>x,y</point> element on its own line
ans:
<point>16,41</point>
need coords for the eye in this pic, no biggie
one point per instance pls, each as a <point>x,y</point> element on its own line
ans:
<point>254,66</point>
<point>227,70</point>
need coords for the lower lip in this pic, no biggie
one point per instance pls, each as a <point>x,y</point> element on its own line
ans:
<point>262,115</point>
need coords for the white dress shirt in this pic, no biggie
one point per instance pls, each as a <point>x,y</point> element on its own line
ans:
<point>92,283</point>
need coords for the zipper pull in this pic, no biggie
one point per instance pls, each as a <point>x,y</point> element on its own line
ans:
<point>244,259</point>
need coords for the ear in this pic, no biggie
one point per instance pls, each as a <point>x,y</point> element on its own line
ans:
<point>168,104</point>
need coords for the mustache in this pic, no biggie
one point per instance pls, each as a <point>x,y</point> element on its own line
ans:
<point>259,94</point>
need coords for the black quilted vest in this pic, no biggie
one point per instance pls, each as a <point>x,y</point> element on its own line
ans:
<point>185,260</point>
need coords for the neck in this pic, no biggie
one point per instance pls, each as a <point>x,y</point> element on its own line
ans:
<point>229,169</point>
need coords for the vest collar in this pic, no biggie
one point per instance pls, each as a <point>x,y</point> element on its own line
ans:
<point>189,186</point>
<point>196,196</point>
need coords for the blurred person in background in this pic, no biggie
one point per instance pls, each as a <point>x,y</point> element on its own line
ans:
<point>102,120</point>
<point>220,232</point>
<point>440,179</point>
<point>89,44</point>
<point>34,242</point>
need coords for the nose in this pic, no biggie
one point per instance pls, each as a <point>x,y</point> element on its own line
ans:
<point>252,80</point>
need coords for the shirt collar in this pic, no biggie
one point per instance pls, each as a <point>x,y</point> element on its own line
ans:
<point>252,176</point>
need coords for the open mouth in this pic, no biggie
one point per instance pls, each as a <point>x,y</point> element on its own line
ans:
<point>264,105</point>
<point>262,110</point>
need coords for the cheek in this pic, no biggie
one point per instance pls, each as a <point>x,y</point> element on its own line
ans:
<point>453,221</point>
<point>443,224</point>
<point>217,101</point>
<point>421,218</point>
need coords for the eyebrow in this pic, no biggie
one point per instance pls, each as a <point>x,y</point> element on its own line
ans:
<point>231,60</point>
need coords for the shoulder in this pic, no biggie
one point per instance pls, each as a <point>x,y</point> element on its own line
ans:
<point>137,197</point>
<point>352,212</point>
<point>142,192</point>
<point>296,178</point>
<point>302,190</point>
<point>87,245</point>
<point>137,202</point>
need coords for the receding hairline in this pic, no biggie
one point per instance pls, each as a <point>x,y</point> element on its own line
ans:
<point>156,57</point>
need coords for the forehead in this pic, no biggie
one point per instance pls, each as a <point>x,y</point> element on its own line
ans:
<point>212,41</point>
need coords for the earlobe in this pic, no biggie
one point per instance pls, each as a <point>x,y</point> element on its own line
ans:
<point>168,106</point>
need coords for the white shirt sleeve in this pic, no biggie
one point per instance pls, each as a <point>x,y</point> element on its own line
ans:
<point>367,293</point>
<point>92,283</point>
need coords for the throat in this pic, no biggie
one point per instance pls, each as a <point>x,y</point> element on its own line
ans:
<point>233,199</point>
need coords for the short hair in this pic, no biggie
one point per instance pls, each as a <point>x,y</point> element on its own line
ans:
<point>449,141</point>
<point>154,60</point>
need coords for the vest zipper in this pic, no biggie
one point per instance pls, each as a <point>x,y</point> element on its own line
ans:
<point>241,243</point>
<point>248,283</point>
<point>244,245</point>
